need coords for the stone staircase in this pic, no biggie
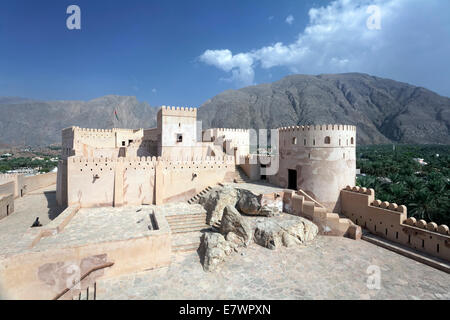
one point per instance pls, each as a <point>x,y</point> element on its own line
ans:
<point>186,231</point>
<point>195,198</point>
<point>332,224</point>
<point>241,176</point>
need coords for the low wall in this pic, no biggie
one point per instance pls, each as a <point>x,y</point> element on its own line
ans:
<point>44,274</point>
<point>7,188</point>
<point>251,167</point>
<point>390,221</point>
<point>330,224</point>
<point>6,205</point>
<point>39,181</point>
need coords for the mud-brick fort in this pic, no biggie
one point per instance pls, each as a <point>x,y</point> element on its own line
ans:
<point>132,199</point>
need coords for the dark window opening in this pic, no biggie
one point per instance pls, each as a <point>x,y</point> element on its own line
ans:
<point>7,210</point>
<point>294,140</point>
<point>123,143</point>
<point>130,141</point>
<point>179,137</point>
<point>327,140</point>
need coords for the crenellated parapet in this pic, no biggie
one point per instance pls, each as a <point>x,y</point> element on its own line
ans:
<point>318,136</point>
<point>390,221</point>
<point>178,111</point>
<point>322,127</point>
<point>225,130</point>
<point>153,161</point>
<point>378,203</point>
<point>430,226</point>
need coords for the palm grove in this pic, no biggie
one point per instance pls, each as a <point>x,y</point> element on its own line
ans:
<point>397,174</point>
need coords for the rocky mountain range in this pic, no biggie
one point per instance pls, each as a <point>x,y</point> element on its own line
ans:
<point>383,110</point>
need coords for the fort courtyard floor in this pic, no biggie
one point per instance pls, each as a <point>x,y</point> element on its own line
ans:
<point>329,268</point>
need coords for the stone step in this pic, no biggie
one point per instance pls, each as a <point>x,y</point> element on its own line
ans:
<point>187,221</point>
<point>185,216</point>
<point>186,247</point>
<point>199,225</point>
<point>195,226</point>
<point>345,221</point>
<point>187,230</point>
<point>185,238</point>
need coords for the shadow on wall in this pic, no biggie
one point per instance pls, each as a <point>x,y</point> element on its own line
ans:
<point>53,209</point>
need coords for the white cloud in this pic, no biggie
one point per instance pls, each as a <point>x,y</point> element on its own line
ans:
<point>290,19</point>
<point>271,18</point>
<point>337,39</point>
<point>154,90</point>
<point>240,65</point>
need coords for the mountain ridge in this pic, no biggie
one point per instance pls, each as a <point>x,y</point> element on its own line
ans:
<point>384,110</point>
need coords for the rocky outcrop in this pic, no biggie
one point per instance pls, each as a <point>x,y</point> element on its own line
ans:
<point>244,217</point>
<point>235,227</point>
<point>253,205</point>
<point>215,248</point>
<point>287,231</point>
<point>216,200</point>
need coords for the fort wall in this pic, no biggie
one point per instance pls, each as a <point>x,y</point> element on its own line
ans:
<point>390,221</point>
<point>93,182</point>
<point>6,205</point>
<point>229,139</point>
<point>39,181</point>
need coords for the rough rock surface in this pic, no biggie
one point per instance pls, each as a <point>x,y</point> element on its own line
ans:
<point>216,200</point>
<point>287,231</point>
<point>252,204</point>
<point>237,226</point>
<point>215,249</point>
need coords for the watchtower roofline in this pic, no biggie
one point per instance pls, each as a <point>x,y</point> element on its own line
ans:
<point>178,111</point>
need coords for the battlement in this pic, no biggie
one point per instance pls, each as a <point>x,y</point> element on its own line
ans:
<point>331,127</point>
<point>225,130</point>
<point>154,160</point>
<point>390,221</point>
<point>9,176</point>
<point>430,226</point>
<point>91,130</point>
<point>377,203</point>
<point>178,111</point>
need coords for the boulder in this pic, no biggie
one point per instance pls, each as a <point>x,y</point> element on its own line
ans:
<point>248,202</point>
<point>268,234</point>
<point>288,231</point>
<point>215,249</point>
<point>254,205</point>
<point>237,225</point>
<point>216,200</point>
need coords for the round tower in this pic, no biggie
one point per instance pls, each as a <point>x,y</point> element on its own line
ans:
<point>319,159</point>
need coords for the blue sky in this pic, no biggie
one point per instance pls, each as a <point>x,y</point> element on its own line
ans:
<point>185,52</point>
